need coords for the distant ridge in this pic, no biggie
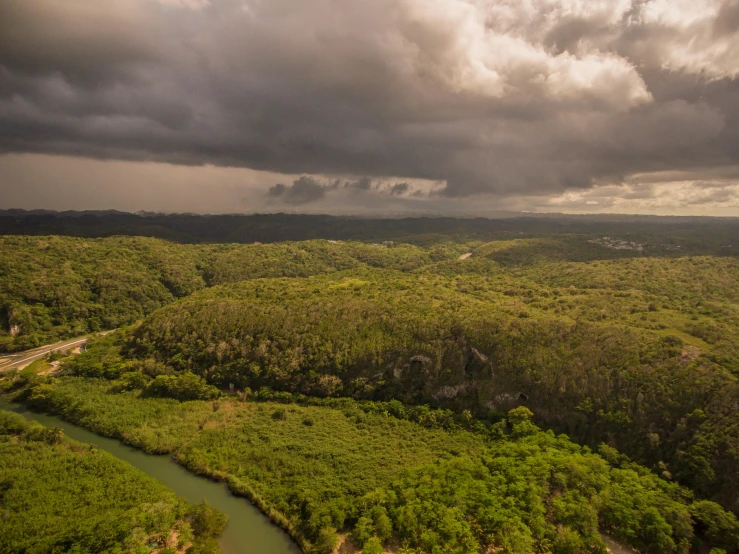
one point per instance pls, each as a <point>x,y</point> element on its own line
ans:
<point>17,212</point>
<point>265,228</point>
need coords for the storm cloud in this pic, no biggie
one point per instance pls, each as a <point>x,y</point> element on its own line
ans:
<point>303,191</point>
<point>486,97</point>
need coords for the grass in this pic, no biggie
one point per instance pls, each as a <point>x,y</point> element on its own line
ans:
<point>36,367</point>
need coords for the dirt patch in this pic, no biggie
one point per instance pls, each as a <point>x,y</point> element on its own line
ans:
<point>690,353</point>
<point>616,548</point>
<point>171,542</point>
<point>346,545</point>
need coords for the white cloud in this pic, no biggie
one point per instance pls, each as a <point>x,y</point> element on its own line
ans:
<point>662,197</point>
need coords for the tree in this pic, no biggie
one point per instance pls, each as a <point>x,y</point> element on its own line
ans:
<point>207,521</point>
<point>520,414</point>
<point>383,525</point>
<point>719,526</point>
<point>363,530</point>
<point>326,542</point>
<point>204,546</point>
<point>373,546</point>
<point>54,435</point>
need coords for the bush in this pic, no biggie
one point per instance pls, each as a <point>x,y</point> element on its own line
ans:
<point>183,386</point>
<point>132,381</point>
<point>373,546</point>
<point>326,542</point>
<point>207,522</point>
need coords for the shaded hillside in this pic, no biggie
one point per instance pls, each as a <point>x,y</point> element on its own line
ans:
<point>664,235</point>
<point>602,365</point>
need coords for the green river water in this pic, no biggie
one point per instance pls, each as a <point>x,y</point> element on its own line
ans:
<point>248,531</point>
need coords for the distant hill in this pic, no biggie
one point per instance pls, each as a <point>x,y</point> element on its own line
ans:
<point>714,234</point>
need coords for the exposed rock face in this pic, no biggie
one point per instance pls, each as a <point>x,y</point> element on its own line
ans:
<point>6,321</point>
<point>477,364</point>
<point>424,361</point>
<point>416,365</point>
<point>502,401</point>
<point>450,392</point>
<point>479,355</point>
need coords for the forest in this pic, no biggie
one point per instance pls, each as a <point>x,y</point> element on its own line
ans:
<point>408,478</point>
<point>60,287</point>
<point>692,234</point>
<point>59,495</point>
<point>523,385</point>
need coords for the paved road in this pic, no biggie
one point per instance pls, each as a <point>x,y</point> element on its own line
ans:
<point>19,360</point>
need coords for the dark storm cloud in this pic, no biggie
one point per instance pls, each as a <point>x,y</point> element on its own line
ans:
<point>306,190</point>
<point>83,42</point>
<point>483,95</point>
<point>303,191</point>
<point>361,185</point>
<point>399,188</point>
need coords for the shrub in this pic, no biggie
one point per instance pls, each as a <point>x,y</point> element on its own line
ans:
<point>207,522</point>
<point>326,542</point>
<point>373,546</point>
<point>183,386</point>
<point>132,381</point>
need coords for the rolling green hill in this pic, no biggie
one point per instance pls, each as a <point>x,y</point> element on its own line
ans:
<point>423,356</point>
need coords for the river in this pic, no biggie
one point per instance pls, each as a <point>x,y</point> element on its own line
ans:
<point>248,531</point>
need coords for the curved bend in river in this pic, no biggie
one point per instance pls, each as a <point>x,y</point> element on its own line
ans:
<point>248,531</point>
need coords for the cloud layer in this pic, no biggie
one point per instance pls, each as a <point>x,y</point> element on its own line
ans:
<point>500,97</point>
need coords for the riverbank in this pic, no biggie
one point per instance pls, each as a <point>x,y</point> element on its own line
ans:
<point>58,494</point>
<point>382,471</point>
<point>248,525</point>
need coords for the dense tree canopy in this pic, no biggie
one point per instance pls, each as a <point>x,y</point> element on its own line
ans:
<point>346,354</point>
<point>431,480</point>
<point>58,495</point>
<point>595,362</point>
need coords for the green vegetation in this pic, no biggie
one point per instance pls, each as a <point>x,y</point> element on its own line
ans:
<point>55,287</point>
<point>58,287</point>
<point>384,387</point>
<point>61,287</point>
<point>681,235</point>
<point>639,363</point>
<point>39,366</point>
<point>58,495</point>
<point>429,479</point>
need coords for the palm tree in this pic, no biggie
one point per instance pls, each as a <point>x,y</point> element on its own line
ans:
<point>55,435</point>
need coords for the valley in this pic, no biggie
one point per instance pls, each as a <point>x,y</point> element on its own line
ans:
<point>437,394</point>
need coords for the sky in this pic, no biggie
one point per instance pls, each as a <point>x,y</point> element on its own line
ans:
<point>456,107</point>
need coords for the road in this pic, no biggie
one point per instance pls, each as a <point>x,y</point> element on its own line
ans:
<point>19,360</point>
